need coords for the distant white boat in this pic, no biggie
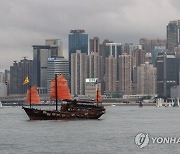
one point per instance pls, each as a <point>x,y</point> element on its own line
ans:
<point>149,100</point>
<point>175,102</point>
<point>178,102</point>
<point>113,105</point>
<point>159,102</point>
<point>1,105</point>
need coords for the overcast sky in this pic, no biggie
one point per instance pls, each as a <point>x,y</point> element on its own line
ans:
<point>24,23</point>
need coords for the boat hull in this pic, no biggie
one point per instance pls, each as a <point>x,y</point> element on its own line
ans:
<point>38,114</point>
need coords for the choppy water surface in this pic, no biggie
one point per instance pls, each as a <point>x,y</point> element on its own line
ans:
<point>113,133</point>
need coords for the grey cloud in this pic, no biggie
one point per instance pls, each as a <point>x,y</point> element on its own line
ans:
<point>28,22</point>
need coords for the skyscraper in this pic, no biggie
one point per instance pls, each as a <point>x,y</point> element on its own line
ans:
<point>78,40</point>
<point>94,45</point>
<point>78,72</point>
<point>114,49</point>
<point>155,52</point>
<point>125,73</point>
<point>137,57</point>
<point>149,44</point>
<point>57,65</point>
<point>41,53</point>
<point>110,74</point>
<point>18,72</point>
<point>173,34</point>
<point>3,85</point>
<point>167,73</point>
<point>105,50</point>
<point>128,47</point>
<point>146,79</point>
<point>55,43</point>
<point>95,66</point>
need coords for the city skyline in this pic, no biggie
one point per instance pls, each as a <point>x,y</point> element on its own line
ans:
<point>25,23</point>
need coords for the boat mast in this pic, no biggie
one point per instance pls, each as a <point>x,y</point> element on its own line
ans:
<point>96,91</point>
<point>30,95</point>
<point>56,92</point>
<point>97,95</point>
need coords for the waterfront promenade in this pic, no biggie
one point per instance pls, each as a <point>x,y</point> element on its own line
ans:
<point>20,100</point>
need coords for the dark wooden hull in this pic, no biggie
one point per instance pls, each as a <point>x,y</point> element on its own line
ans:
<point>86,113</point>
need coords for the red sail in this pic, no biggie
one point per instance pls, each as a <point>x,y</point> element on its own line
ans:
<point>33,96</point>
<point>98,96</point>
<point>53,89</point>
<point>63,91</point>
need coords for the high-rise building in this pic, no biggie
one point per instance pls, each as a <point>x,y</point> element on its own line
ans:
<point>110,74</point>
<point>173,35</point>
<point>146,79</point>
<point>149,44</point>
<point>78,40</point>
<point>18,72</point>
<point>57,43</point>
<point>94,66</point>
<point>41,53</point>
<point>105,50</point>
<point>125,73</point>
<point>177,52</point>
<point>114,49</point>
<point>167,73</point>
<point>3,85</point>
<point>2,77</point>
<point>155,51</point>
<point>94,45</point>
<point>128,47</point>
<point>57,65</point>
<point>78,72</point>
<point>148,57</point>
<point>137,57</point>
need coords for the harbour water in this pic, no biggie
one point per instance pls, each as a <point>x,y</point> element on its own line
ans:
<point>113,133</point>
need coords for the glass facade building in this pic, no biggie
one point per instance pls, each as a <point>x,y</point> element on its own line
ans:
<point>78,40</point>
<point>57,65</point>
<point>173,34</point>
<point>40,57</point>
<point>167,73</point>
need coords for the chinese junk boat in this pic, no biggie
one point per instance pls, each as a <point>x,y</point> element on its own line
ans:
<point>70,108</point>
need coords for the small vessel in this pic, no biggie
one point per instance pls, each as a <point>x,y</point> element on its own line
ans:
<point>140,104</point>
<point>71,109</point>
<point>178,102</point>
<point>1,106</point>
<point>159,102</point>
<point>166,104</point>
<point>175,102</point>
